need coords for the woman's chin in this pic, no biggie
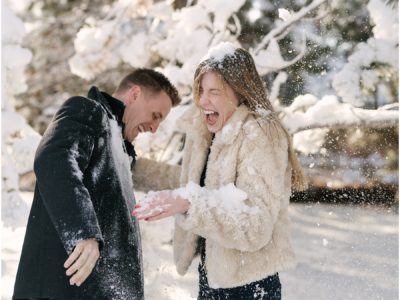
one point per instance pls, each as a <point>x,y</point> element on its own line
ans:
<point>213,128</point>
<point>213,125</point>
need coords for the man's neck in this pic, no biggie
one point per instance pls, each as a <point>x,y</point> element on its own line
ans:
<point>119,97</point>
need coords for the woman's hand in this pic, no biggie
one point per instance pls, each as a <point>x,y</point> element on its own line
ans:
<point>160,205</point>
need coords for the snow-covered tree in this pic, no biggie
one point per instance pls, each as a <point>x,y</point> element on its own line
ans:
<point>370,76</point>
<point>369,79</point>
<point>19,140</point>
<point>172,37</point>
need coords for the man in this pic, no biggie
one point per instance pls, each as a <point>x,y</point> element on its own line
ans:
<point>81,242</point>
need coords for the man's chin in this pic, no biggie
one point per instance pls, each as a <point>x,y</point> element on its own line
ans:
<point>130,138</point>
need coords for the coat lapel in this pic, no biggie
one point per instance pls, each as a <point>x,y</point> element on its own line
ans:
<point>198,140</point>
<point>231,129</point>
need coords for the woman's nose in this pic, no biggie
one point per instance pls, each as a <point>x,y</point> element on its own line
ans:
<point>203,100</point>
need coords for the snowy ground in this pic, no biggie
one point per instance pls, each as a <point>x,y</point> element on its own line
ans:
<point>344,252</point>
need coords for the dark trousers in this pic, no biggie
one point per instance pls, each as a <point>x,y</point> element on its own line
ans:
<point>35,299</point>
<point>266,289</point>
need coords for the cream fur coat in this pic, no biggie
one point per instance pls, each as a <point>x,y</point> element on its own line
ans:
<point>252,154</point>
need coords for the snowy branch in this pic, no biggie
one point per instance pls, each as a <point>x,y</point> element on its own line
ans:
<point>293,19</point>
<point>383,120</point>
<point>267,54</point>
<point>279,80</point>
<point>329,113</point>
<point>271,59</point>
<point>371,72</point>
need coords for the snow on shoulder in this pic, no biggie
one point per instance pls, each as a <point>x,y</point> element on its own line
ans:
<point>220,51</point>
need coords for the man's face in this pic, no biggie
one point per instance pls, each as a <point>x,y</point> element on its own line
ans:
<point>144,111</point>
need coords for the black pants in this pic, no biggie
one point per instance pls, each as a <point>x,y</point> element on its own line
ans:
<point>266,289</point>
<point>35,299</point>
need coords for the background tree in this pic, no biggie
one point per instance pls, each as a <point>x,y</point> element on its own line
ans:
<point>19,140</point>
<point>310,53</point>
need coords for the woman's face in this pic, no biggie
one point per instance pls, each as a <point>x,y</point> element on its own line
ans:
<point>217,101</point>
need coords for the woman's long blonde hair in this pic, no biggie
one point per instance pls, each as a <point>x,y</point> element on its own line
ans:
<point>237,68</point>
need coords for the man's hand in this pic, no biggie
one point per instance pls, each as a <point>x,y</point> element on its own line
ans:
<point>160,205</point>
<point>82,261</point>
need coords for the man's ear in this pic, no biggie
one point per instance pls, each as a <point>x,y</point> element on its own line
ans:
<point>134,92</point>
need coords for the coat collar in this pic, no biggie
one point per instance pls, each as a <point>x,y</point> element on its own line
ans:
<point>194,125</point>
<point>115,110</point>
<point>113,106</point>
<point>232,127</point>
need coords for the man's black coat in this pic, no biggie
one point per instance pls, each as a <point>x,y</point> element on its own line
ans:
<point>83,190</point>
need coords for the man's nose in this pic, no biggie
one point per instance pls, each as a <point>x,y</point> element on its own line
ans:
<point>154,126</point>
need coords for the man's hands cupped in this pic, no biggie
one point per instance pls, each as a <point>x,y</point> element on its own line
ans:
<point>82,260</point>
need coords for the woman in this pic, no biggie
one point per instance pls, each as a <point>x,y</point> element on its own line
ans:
<point>241,157</point>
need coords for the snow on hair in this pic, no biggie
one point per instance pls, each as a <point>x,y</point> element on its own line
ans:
<point>220,52</point>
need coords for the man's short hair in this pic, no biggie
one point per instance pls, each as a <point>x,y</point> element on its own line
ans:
<point>152,80</point>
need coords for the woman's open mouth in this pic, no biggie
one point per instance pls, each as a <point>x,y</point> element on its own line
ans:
<point>211,116</point>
